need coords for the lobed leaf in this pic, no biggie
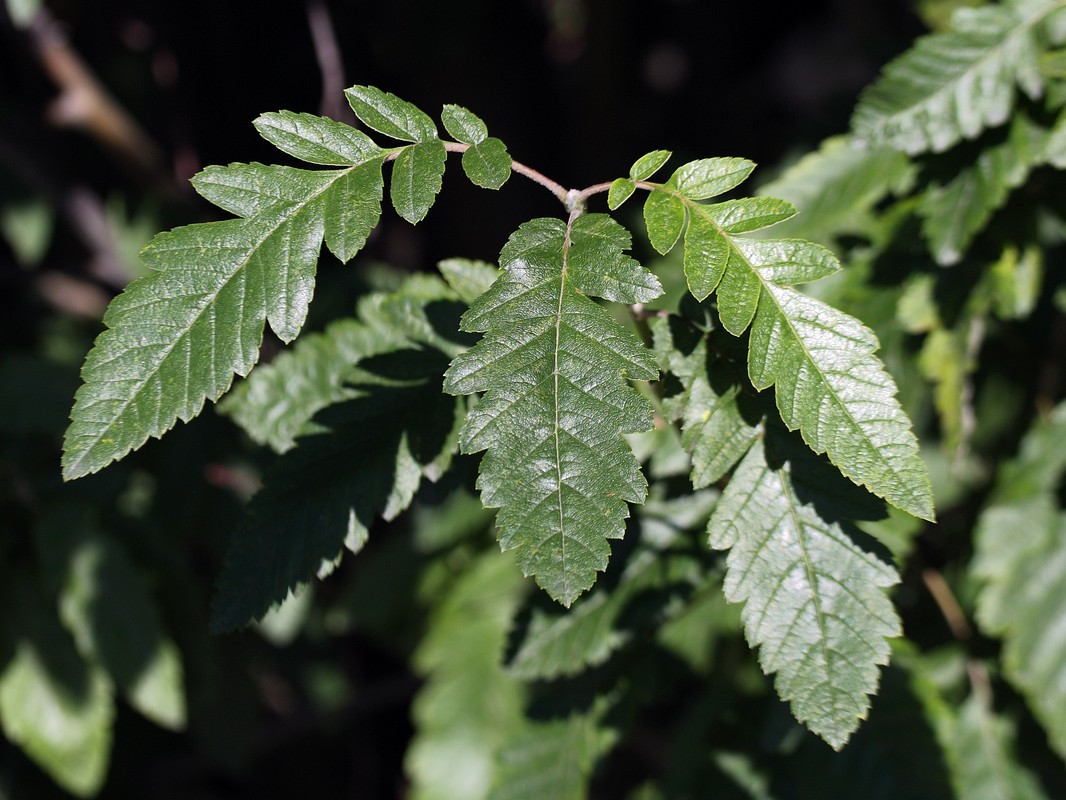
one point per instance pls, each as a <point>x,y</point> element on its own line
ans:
<point>275,403</point>
<point>951,86</point>
<point>552,365</point>
<point>814,599</point>
<point>176,337</point>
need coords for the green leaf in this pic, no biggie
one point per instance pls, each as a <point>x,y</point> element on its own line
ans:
<point>709,177</point>
<point>981,749</point>
<point>955,213</point>
<point>548,759</point>
<point>647,165</point>
<point>360,458</point>
<point>562,643</point>
<point>621,190</point>
<point>552,366</point>
<point>464,125</point>
<point>719,424</point>
<point>468,706</point>
<point>55,706</point>
<point>1016,281</point>
<point>317,140</point>
<point>107,607</point>
<point>176,337</point>
<point>385,113</point>
<point>275,403</point>
<point>416,179</point>
<point>487,164</point>
<point>468,279</point>
<point>815,601</point>
<point>943,360</point>
<point>296,204</point>
<point>838,187</point>
<point>749,213</point>
<point>1020,562</point>
<point>828,383</point>
<point>664,216</point>
<point>952,86</point>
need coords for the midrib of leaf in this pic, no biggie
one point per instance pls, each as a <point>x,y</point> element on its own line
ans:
<point>812,576</point>
<point>765,293</point>
<point>555,397</point>
<point>278,219</point>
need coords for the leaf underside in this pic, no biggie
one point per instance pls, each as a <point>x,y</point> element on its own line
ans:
<point>815,601</point>
<point>553,366</point>
<point>951,86</point>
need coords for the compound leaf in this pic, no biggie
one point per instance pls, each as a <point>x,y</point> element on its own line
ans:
<point>951,86</point>
<point>828,383</point>
<point>814,599</point>
<point>176,337</point>
<point>552,365</point>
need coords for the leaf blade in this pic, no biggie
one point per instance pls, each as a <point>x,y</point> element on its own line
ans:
<point>814,600</point>
<point>551,366</point>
